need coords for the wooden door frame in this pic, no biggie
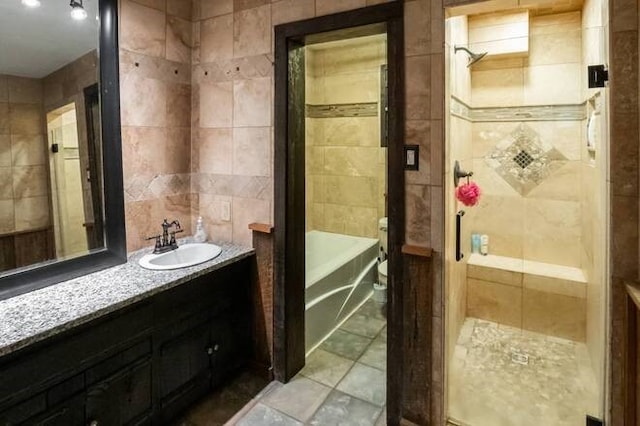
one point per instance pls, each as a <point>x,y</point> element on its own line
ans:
<point>289,197</point>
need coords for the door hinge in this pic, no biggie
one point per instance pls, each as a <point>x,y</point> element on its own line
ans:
<point>598,76</point>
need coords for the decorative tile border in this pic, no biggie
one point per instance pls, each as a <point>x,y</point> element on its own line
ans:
<point>575,112</point>
<point>364,109</point>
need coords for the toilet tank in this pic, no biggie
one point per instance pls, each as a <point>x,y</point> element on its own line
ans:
<point>382,234</point>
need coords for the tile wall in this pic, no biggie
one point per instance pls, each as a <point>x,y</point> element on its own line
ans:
<point>346,167</point>
<point>155,84</point>
<point>24,183</point>
<point>535,216</point>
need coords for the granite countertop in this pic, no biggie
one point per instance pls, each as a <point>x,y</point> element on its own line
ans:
<point>35,316</point>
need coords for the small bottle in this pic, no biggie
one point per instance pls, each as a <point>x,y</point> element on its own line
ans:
<point>475,243</point>
<point>484,244</point>
<point>201,235</point>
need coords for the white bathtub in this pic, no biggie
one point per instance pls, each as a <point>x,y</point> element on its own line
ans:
<point>339,274</point>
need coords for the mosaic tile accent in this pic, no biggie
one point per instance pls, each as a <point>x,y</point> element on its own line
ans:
<point>523,160</point>
<point>364,109</point>
<point>576,112</point>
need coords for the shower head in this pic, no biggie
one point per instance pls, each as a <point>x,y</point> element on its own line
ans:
<point>473,57</point>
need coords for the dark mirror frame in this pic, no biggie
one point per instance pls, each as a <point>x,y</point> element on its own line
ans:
<point>115,248</point>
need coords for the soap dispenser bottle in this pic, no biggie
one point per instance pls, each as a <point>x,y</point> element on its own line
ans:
<point>200,235</point>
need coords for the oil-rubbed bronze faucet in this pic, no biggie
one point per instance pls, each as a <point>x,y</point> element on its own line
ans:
<point>167,241</point>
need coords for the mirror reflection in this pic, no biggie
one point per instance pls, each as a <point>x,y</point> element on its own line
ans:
<point>50,148</point>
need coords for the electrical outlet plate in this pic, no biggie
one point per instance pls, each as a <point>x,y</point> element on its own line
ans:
<point>226,211</point>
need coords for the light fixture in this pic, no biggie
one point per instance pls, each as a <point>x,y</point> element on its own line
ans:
<point>77,10</point>
<point>31,3</point>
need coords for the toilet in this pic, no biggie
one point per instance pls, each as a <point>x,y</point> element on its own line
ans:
<point>382,266</point>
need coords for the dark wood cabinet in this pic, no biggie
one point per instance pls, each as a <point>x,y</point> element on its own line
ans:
<point>141,365</point>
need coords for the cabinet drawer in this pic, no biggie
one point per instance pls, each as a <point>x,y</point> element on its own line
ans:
<point>52,362</point>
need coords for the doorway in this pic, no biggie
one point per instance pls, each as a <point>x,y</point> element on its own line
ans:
<point>295,193</point>
<point>526,262</point>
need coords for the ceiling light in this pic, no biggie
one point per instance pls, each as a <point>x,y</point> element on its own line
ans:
<point>77,10</point>
<point>31,3</point>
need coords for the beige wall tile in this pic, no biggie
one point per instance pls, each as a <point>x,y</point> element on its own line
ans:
<point>252,151</point>
<point>6,215</point>
<point>143,151</point>
<point>179,40</point>
<point>351,161</point>
<point>32,212</point>
<point>418,102</point>
<point>555,286</point>
<point>178,105</point>
<point>554,315</point>
<point>556,48</point>
<point>314,158</point>
<point>147,110</point>
<point>156,4</point>
<point>180,8</point>
<point>494,302</point>
<point>502,219</point>
<point>495,275</point>
<point>246,211</point>
<point>561,184</point>
<point>4,88</point>
<point>503,87</point>
<point>416,27</point>
<point>28,150</point>
<point>216,38</point>
<point>550,224</point>
<point>25,90</point>
<point>344,131</point>
<point>216,151</point>
<point>25,119</point>
<point>216,104</point>
<point>5,151</point>
<point>349,220</point>
<point>178,151</point>
<point>4,118</point>
<point>211,208</point>
<point>142,29</point>
<point>351,88</point>
<point>252,31</point>
<point>252,102</point>
<point>350,190</point>
<point>326,7</point>
<point>211,8</point>
<point>292,10</point>
<point>6,187</point>
<point>552,84</point>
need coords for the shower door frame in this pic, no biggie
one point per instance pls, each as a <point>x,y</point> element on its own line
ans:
<point>289,191</point>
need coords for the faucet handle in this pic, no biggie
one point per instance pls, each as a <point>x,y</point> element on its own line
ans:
<point>158,245</point>
<point>173,236</point>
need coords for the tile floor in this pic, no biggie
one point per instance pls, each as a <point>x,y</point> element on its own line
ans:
<point>343,382</point>
<point>488,388</point>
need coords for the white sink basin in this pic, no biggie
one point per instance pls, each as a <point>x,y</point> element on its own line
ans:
<point>182,257</point>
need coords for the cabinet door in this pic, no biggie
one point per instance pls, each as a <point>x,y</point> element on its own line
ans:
<point>121,399</point>
<point>184,368</point>
<point>229,346</point>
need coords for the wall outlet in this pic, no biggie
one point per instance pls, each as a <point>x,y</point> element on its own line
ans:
<point>226,211</point>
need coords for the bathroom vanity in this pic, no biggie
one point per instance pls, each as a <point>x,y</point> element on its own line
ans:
<point>124,345</point>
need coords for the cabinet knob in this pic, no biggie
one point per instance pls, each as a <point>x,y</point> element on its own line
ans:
<point>216,348</point>
<point>211,350</point>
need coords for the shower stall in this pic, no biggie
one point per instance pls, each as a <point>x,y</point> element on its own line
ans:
<point>526,319</point>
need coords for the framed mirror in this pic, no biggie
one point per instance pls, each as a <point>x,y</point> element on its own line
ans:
<point>61,198</point>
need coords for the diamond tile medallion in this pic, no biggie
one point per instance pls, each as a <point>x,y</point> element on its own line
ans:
<point>523,160</point>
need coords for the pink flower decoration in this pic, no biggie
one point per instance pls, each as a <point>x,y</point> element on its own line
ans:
<point>468,194</point>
